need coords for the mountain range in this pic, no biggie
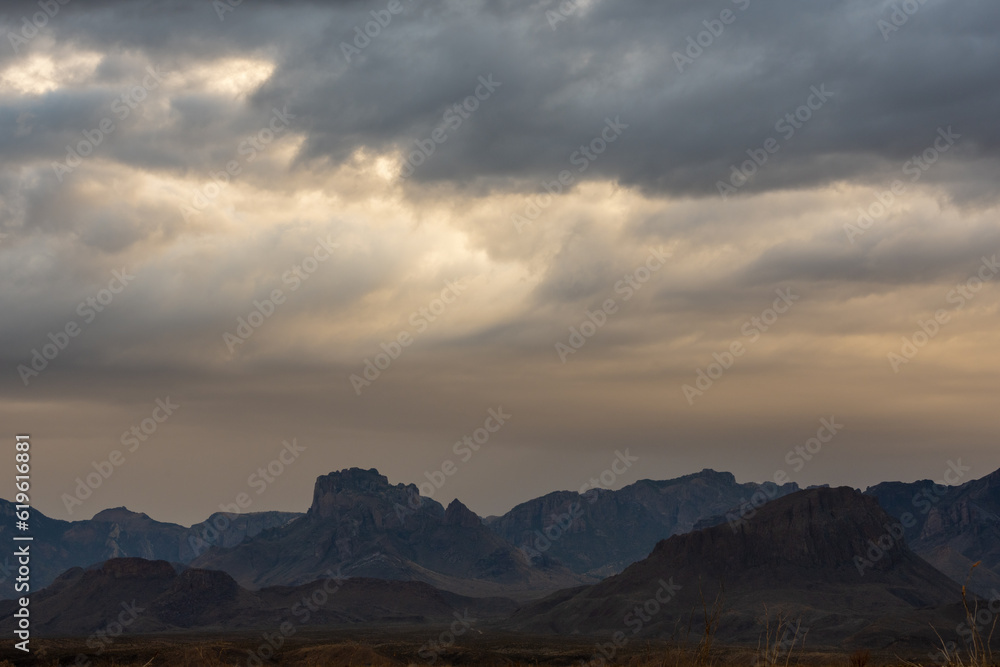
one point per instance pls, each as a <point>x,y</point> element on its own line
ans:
<point>368,527</point>
<point>805,559</point>
<point>118,532</point>
<point>601,532</point>
<point>365,527</point>
<point>872,568</point>
<point>951,527</point>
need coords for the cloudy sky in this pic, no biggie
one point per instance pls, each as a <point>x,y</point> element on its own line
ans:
<point>384,168</point>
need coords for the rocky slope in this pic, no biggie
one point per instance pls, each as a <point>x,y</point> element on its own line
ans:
<point>812,557</point>
<point>952,527</point>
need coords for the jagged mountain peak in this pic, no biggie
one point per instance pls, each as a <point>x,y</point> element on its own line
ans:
<point>458,514</point>
<point>361,523</point>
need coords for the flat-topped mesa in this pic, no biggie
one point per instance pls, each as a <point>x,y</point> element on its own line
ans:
<point>831,559</point>
<point>345,490</point>
<point>816,528</point>
<point>709,474</point>
<point>119,515</point>
<point>355,480</point>
<point>363,526</point>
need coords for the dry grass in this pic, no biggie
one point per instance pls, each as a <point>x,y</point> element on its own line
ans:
<point>184,653</point>
<point>355,655</point>
<point>860,658</point>
<point>977,650</point>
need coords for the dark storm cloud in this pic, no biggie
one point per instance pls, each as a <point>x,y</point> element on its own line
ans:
<point>611,59</point>
<point>686,129</point>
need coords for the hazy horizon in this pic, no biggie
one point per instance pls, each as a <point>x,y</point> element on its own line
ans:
<point>956,476</point>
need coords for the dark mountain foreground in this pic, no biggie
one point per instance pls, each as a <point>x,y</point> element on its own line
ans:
<point>148,597</point>
<point>816,574</point>
<point>805,577</point>
<point>810,557</point>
